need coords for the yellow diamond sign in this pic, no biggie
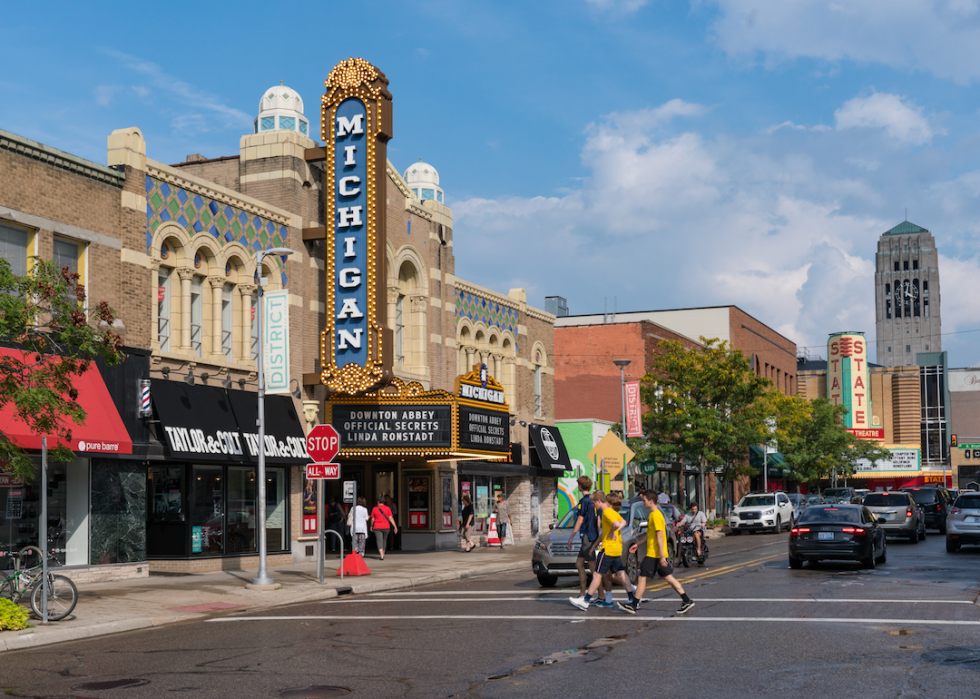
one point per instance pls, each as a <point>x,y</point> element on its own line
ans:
<point>612,454</point>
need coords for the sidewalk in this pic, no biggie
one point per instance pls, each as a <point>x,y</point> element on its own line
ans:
<point>107,608</point>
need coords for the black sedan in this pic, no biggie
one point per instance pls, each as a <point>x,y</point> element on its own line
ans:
<point>837,532</point>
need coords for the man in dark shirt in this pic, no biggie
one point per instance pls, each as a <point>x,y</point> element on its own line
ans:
<point>588,523</point>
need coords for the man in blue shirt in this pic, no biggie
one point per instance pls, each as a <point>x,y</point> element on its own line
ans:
<point>588,523</point>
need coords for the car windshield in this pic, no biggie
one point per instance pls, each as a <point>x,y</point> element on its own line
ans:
<point>968,502</point>
<point>837,492</point>
<point>795,498</point>
<point>757,501</point>
<point>568,521</point>
<point>885,499</point>
<point>923,497</point>
<point>850,515</point>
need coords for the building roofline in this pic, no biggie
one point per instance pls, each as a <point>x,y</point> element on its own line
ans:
<point>60,159</point>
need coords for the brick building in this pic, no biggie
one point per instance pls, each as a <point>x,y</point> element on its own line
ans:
<point>173,249</point>
<point>587,383</point>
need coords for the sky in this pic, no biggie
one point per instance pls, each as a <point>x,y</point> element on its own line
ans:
<point>642,154</point>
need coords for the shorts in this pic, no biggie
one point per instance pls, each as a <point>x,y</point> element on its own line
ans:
<point>604,563</point>
<point>651,568</point>
<point>381,537</point>
<point>586,551</point>
<point>502,533</point>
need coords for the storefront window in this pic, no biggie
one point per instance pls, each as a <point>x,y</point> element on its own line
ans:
<point>241,509</point>
<point>275,509</point>
<point>418,502</point>
<point>447,502</point>
<point>207,515</point>
<point>118,530</point>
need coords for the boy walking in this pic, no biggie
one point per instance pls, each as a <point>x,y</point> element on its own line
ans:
<point>588,523</point>
<point>609,558</point>
<point>655,563</point>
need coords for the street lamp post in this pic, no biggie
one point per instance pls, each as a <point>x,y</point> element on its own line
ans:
<point>622,364</point>
<point>263,577</point>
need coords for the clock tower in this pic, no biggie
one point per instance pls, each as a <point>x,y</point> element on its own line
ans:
<point>906,295</point>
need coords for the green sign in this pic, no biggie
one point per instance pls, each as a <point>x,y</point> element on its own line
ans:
<point>975,445</point>
<point>648,469</point>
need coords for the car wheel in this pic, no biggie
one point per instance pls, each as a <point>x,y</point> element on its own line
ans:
<point>914,537</point>
<point>870,561</point>
<point>951,547</point>
<point>795,563</point>
<point>632,568</point>
<point>736,532</point>
<point>547,580</point>
<point>884,552</point>
<point>670,554</point>
<point>779,525</point>
<point>922,534</point>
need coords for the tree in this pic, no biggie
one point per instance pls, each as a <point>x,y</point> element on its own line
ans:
<point>41,313</point>
<point>820,444</point>
<point>704,404</point>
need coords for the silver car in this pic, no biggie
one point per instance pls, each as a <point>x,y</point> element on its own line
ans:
<point>897,514</point>
<point>963,522</point>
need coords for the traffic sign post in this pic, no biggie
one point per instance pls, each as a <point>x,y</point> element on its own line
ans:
<point>323,445</point>
<point>330,472</point>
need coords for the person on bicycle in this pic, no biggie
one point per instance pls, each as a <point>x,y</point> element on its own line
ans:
<point>696,521</point>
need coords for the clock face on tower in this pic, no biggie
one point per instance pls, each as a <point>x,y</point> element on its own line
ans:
<point>910,291</point>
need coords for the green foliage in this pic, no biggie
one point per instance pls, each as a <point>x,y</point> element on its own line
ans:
<point>13,617</point>
<point>704,404</point>
<point>820,444</point>
<point>42,314</point>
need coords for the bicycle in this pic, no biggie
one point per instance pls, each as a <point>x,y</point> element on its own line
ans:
<point>62,593</point>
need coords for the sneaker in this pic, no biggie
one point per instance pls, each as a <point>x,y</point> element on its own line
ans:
<point>628,607</point>
<point>579,602</point>
<point>685,608</point>
<point>605,605</point>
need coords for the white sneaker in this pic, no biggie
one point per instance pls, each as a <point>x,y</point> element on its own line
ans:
<point>579,602</point>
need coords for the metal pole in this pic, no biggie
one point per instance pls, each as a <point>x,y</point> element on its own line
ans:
<point>622,396</point>
<point>765,467</point>
<point>43,530</point>
<point>263,576</point>
<point>319,530</point>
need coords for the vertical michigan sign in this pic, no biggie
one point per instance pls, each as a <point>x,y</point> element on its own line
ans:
<point>355,344</point>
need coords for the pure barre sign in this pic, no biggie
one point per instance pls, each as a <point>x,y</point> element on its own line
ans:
<point>356,346</point>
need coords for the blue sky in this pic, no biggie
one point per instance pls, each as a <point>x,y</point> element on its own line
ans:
<point>667,154</point>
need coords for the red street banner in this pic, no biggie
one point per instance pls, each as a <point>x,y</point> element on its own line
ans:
<point>634,426</point>
<point>328,471</point>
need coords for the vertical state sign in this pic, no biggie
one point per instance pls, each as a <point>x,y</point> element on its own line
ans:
<point>848,379</point>
<point>356,345</point>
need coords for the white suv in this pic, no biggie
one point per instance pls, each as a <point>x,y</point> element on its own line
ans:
<point>771,511</point>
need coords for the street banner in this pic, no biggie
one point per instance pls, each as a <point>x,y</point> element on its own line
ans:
<point>275,341</point>
<point>634,426</point>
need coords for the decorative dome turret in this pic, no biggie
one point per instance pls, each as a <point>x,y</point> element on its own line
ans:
<point>423,179</point>
<point>281,108</point>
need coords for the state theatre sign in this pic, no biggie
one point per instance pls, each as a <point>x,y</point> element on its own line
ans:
<point>849,382</point>
<point>355,343</point>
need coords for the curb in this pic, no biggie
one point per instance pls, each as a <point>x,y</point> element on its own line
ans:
<point>29,638</point>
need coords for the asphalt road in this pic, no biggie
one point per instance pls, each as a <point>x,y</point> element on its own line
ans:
<point>911,628</point>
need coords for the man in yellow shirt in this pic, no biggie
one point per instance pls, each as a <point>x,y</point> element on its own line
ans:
<point>609,559</point>
<point>655,563</point>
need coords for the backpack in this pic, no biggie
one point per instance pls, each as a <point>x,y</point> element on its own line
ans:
<point>590,520</point>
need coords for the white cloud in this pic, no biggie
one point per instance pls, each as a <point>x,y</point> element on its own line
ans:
<point>668,216</point>
<point>901,119</point>
<point>619,5</point>
<point>104,94</point>
<point>941,37</point>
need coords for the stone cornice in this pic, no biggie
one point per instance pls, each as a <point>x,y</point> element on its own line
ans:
<point>399,181</point>
<point>476,290</point>
<point>538,314</point>
<point>60,159</point>
<point>197,185</point>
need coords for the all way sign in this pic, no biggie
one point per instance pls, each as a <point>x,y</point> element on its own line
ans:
<point>329,472</point>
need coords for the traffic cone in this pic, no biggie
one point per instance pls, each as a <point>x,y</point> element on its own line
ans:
<point>354,565</point>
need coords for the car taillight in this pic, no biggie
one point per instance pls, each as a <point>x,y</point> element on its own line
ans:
<point>854,530</point>
<point>939,508</point>
<point>954,510</point>
<point>908,512</point>
<point>796,531</point>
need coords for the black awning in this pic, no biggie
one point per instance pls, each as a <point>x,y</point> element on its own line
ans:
<point>490,468</point>
<point>197,422</point>
<point>285,441</point>
<point>547,448</point>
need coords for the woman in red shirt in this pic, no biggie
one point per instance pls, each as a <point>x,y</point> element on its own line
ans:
<point>381,518</point>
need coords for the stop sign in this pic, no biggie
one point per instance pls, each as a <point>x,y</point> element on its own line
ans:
<point>323,443</point>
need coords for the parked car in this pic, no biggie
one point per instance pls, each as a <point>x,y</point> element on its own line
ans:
<point>963,522</point>
<point>935,501</point>
<point>800,503</point>
<point>840,495</point>
<point>755,511</point>
<point>898,514</point>
<point>837,532</point>
<point>553,557</point>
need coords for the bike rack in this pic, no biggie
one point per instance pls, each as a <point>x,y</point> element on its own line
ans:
<point>323,554</point>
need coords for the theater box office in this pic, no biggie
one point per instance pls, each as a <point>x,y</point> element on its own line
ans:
<point>404,441</point>
<point>201,500</point>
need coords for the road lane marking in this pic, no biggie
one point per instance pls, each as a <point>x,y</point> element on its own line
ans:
<point>625,617</point>
<point>546,598</point>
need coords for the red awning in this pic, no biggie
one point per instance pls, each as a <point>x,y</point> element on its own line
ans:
<point>102,433</point>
